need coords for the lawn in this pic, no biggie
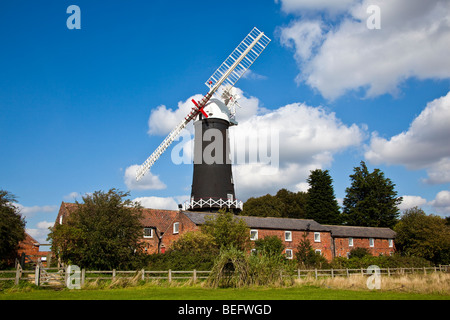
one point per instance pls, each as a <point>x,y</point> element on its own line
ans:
<point>152,292</point>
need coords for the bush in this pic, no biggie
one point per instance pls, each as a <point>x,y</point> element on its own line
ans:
<point>194,250</point>
<point>235,268</point>
<point>395,261</point>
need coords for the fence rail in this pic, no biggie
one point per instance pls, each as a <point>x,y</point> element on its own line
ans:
<point>18,274</point>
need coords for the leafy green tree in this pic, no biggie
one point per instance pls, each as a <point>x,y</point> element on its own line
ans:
<point>285,204</point>
<point>322,205</point>
<point>423,236</point>
<point>294,203</point>
<point>227,230</point>
<point>307,257</point>
<point>264,206</point>
<point>371,200</point>
<point>104,232</point>
<point>12,228</point>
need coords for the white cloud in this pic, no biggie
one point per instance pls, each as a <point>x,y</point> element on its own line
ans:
<point>72,196</point>
<point>307,139</point>
<point>147,182</point>
<point>425,145</point>
<point>412,42</point>
<point>411,202</point>
<point>41,231</point>
<point>442,202</point>
<point>163,120</point>
<point>167,203</point>
<point>31,211</point>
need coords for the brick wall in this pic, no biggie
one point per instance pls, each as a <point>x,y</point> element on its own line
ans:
<point>324,244</point>
<point>380,246</point>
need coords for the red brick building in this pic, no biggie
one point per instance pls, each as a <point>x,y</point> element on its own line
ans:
<point>31,249</point>
<point>162,227</point>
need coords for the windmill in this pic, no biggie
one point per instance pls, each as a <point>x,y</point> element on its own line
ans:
<point>212,183</point>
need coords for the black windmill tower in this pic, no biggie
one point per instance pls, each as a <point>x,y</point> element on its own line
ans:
<point>212,183</point>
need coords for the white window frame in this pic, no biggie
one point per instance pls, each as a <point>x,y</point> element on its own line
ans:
<point>288,236</point>
<point>391,243</point>
<point>371,242</point>
<point>318,251</point>
<point>316,236</point>
<point>176,227</point>
<point>289,255</point>
<point>255,232</point>
<point>350,241</point>
<point>151,233</point>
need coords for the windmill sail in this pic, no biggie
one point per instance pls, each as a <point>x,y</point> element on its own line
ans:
<point>227,74</point>
<point>232,69</point>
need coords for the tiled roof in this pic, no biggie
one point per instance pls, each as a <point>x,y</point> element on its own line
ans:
<point>162,219</point>
<point>361,232</point>
<point>265,222</point>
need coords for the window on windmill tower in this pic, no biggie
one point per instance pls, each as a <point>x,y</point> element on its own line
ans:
<point>176,226</point>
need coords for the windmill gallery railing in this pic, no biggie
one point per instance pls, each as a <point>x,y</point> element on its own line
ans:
<point>58,277</point>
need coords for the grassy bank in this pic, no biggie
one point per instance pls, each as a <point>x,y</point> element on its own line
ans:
<point>436,287</point>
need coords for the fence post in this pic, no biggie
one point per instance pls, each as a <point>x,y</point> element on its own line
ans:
<point>114,275</point>
<point>195,276</point>
<point>18,274</point>
<point>362,271</point>
<point>389,272</point>
<point>332,273</point>
<point>348,275</point>
<point>143,274</point>
<point>37,275</point>
<point>169,276</point>
<point>83,276</point>
<point>298,273</point>
<point>315,272</point>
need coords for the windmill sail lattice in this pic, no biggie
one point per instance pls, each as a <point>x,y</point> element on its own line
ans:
<point>229,72</point>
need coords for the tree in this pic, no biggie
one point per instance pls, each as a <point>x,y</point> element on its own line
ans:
<point>104,232</point>
<point>423,236</point>
<point>371,200</point>
<point>227,230</point>
<point>322,205</point>
<point>294,203</point>
<point>270,245</point>
<point>306,256</point>
<point>285,204</point>
<point>12,227</point>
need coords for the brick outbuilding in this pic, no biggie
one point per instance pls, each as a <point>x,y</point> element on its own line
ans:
<point>162,227</point>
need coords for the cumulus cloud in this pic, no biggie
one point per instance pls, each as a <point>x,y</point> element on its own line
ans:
<point>147,182</point>
<point>31,211</point>
<point>411,202</point>
<point>442,202</point>
<point>303,138</point>
<point>41,231</point>
<point>412,42</point>
<point>167,203</point>
<point>425,145</point>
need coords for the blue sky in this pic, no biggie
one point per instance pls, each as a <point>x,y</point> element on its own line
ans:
<point>80,107</point>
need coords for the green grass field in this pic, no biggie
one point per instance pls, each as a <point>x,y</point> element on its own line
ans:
<point>152,292</point>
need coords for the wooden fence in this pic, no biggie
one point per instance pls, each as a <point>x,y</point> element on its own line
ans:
<point>57,277</point>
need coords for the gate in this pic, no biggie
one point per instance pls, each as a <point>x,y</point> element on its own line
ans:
<point>49,277</point>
